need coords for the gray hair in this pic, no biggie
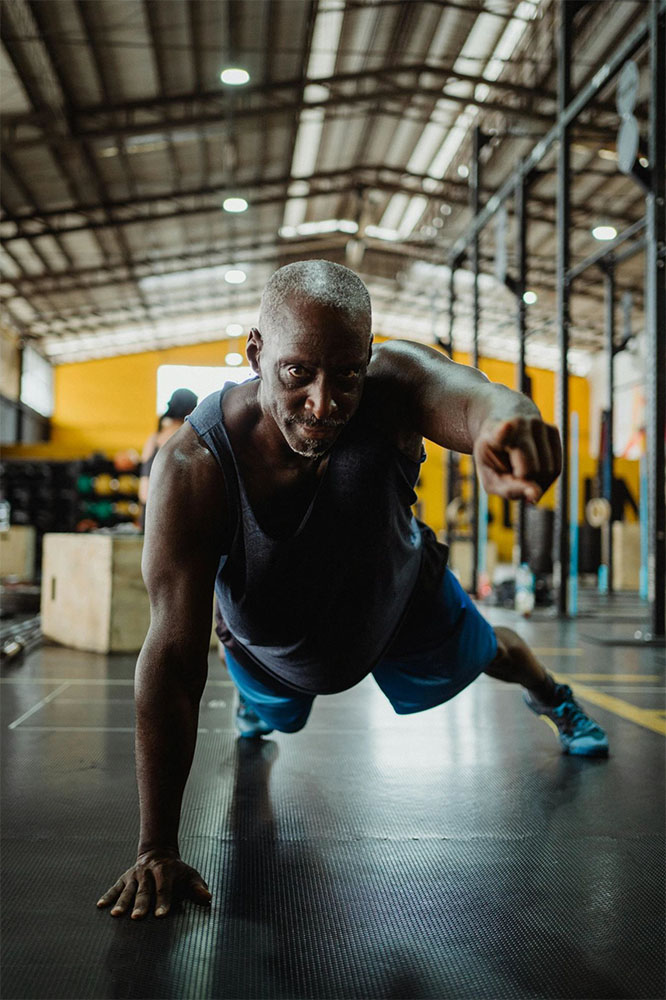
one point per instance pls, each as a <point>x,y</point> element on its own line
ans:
<point>319,281</point>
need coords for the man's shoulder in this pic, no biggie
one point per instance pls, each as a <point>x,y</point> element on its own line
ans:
<point>185,463</point>
<point>390,358</point>
<point>187,497</point>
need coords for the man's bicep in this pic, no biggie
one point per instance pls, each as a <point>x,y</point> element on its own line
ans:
<point>429,393</point>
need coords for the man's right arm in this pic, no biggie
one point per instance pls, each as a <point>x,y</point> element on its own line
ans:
<point>185,536</point>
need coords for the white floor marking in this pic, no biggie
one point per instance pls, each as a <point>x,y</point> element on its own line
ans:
<point>89,681</point>
<point>40,704</point>
<point>83,729</point>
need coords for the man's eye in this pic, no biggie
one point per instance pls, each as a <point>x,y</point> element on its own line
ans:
<point>297,371</point>
<point>350,373</point>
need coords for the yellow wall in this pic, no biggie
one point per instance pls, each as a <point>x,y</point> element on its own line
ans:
<point>110,405</point>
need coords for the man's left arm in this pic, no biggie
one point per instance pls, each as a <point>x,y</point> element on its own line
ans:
<point>517,454</point>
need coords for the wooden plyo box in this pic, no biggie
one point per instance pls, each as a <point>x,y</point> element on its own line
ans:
<point>461,558</point>
<point>626,555</point>
<point>93,596</point>
<point>17,552</point>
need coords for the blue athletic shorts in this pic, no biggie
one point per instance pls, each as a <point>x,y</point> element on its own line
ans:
<point>440,649</point>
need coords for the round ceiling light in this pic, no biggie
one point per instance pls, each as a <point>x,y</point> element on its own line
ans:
<point>233,359</point>
<point>234,205</point>
<point>235,330</point>
<point>529,298</point>
<point>234,76</point>
<point>235,276</point>
<point>604,233</point>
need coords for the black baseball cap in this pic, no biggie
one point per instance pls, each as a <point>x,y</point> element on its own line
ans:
<point>182,402</point>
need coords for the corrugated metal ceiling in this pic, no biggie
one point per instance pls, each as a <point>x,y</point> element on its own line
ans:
<point>120,144</point>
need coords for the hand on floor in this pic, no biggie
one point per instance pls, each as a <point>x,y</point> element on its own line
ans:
<point>159,876</point>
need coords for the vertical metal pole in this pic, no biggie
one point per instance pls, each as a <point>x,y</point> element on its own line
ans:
<point>643,520</point>
<point>452,310</point>
<point>563,255</point>
<point>450,457</point>
<point>521,318</point>
<point>474,188</point>
<point>20,422</point>
<point>655,294</point>
<point>573,518</point>
<point>609,461</point>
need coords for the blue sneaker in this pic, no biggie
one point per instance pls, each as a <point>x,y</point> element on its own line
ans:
<point>248,723</point>
<point>578,733</point>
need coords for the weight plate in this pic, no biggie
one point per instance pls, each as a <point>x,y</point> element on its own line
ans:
<point>627,144</point>
<point>627,88</point>
<point>597,511</point>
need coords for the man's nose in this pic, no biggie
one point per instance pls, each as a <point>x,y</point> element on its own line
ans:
<point>320,403</point>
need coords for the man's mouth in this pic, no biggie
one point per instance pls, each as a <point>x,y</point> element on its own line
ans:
<point>322,427</point>
<point>319,432</point>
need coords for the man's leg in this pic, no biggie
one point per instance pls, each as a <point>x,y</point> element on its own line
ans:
<point>265,706</point>
<point>516,663</point>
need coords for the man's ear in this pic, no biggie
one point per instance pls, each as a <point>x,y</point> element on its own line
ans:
<point>253,349</point>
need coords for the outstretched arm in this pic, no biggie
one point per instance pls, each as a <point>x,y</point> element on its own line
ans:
<point>183,543</point>
<point>518,455</point>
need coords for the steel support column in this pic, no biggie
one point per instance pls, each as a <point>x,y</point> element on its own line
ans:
<point>655,297</point>
<point>451,457</point>
<point>20,419</point>
<point>520,207</point>
<point>609,459</point>
<point>562,289</point>
<point>475,191</point>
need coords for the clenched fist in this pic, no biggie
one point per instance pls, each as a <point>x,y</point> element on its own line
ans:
<point>518,458</point>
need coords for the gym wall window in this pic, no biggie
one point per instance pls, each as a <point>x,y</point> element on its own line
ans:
<point>199,378</point>
<point>37,382</point>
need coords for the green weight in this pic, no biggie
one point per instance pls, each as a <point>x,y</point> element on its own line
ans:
<point>101,510</point>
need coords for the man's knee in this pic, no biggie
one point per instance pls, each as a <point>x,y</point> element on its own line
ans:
<point>285,723</point>
<point>506,665</point>
<point>503,637</point>
<point>292,727</point>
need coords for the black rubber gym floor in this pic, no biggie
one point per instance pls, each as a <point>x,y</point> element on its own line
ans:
<point>452,854</point>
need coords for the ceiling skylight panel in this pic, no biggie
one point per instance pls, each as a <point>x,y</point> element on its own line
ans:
<point>479,46</point>
<point>394,211</point>
<point>414,212</point>
<point>479,43</point>
<point>426,147</point>
<point>323,55</point>
<point>26,257</point>
<point>525,12</point>
<point>453,142</point>
<point>8,265</point>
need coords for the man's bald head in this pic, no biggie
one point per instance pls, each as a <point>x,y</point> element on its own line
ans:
<point>317,282</point>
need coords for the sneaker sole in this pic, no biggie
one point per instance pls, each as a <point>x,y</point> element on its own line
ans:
<point>572,751</point>
<point>586,751</point>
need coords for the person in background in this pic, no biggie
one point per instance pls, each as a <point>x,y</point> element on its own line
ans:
<point>181,404</point>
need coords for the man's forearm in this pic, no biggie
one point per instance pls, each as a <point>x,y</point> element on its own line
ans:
<point>167,715</point>
<point>491,401</point>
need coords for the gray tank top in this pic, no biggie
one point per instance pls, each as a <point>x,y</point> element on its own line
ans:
<point>318,609</point>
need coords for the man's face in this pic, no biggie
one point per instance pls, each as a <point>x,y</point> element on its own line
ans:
<point>312,368</point>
